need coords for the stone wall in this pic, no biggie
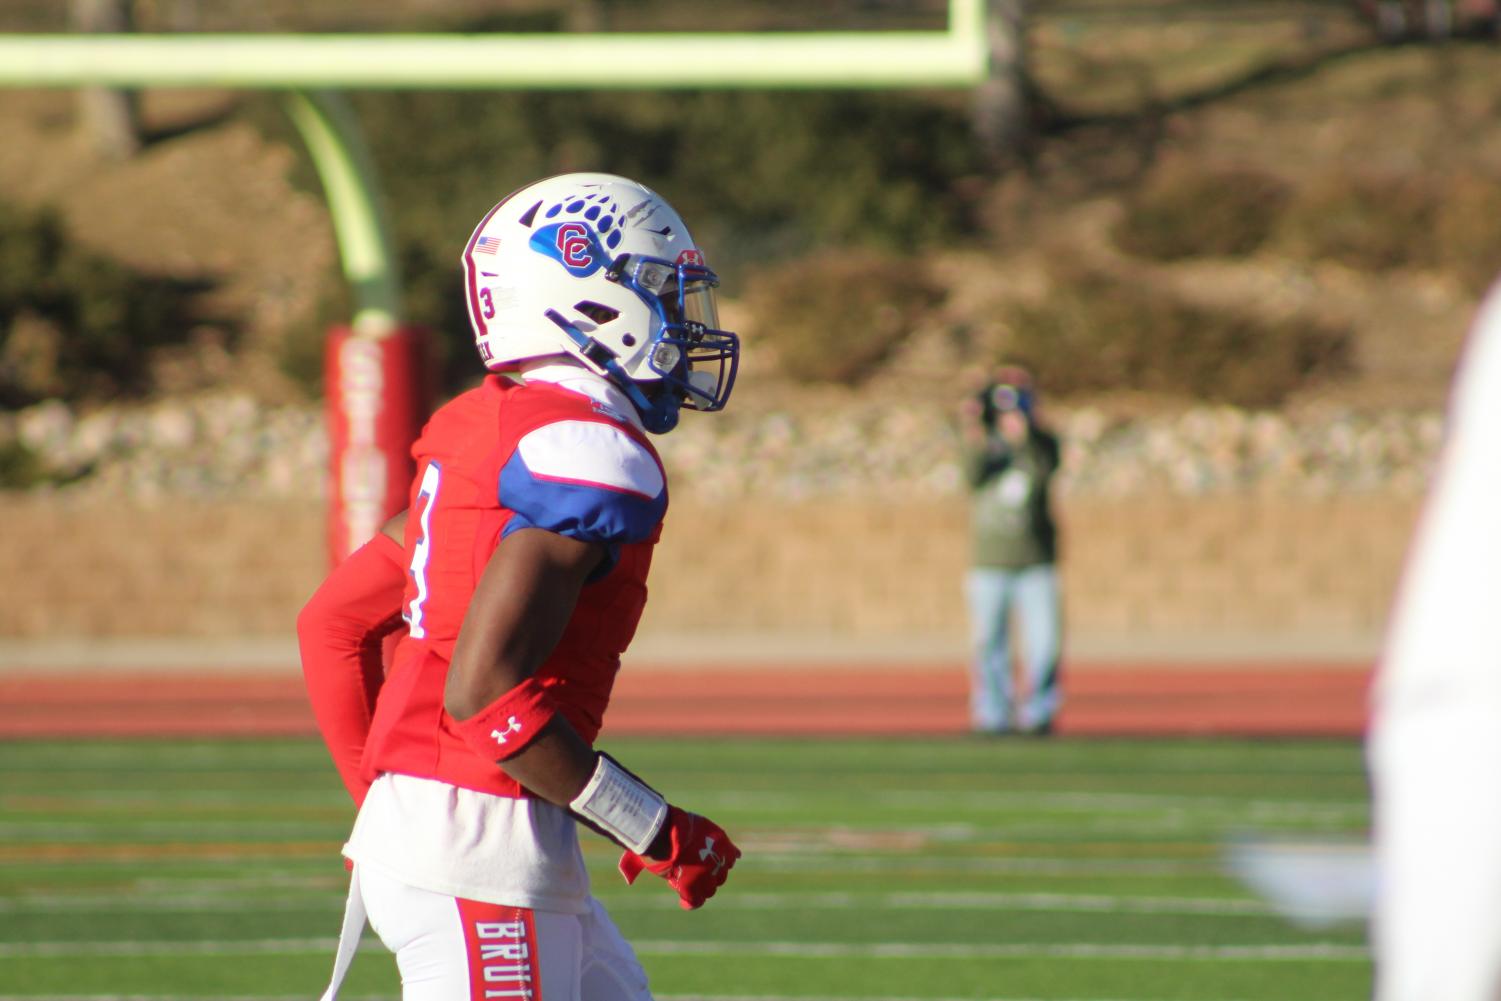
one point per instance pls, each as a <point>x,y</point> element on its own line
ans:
<point>1231,565</point>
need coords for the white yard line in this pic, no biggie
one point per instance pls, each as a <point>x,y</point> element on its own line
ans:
<point>1317,951</point>
<point>1061,950</point>
<point>209,903</point>
<point>817,997</point>
<point>659,996</point>
<point>108,831</point>
<point>129,903</point>
<point>1026,864</point>
<point>826,997</point>
<point>781,856</point>
<point>1112,802</point>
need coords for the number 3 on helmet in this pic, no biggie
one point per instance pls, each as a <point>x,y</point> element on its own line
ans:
<point>602,269</point>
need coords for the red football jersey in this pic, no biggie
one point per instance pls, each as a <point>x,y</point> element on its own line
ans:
<point>501,457</point>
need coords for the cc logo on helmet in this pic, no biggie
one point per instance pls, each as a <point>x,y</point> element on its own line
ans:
<point>574,245</point>
<point>571,244</point>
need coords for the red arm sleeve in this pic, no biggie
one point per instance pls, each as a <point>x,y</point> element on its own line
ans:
<point>340,633</point>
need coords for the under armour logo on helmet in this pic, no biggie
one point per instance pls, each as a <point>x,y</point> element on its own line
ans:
<point>512,726</point>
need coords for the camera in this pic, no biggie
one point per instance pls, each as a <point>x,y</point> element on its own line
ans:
<point>999,398</point>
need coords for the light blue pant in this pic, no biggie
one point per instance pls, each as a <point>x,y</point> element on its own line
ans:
<point>1032,595</point>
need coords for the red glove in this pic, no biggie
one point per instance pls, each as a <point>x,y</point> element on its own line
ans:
<point>699,863</point>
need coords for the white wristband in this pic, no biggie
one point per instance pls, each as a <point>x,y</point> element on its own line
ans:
<point>621,805</point>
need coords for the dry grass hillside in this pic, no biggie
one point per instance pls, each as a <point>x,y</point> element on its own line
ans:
<point>211,199</point>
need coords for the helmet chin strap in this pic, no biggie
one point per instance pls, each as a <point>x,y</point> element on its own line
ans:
<point>657,416</point>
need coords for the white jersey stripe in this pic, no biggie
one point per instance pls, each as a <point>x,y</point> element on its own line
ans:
<point>591,454</point>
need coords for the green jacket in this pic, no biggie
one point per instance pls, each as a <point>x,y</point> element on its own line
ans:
<point>1012,517</point>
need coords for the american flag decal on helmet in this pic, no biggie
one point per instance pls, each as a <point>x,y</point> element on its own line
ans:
<point>487,245</point>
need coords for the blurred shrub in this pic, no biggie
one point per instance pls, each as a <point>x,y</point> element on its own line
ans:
<point>20,467</point>
<point>300,351</point>
<point>1434,221</point>
<point>821,169</point>
<point>834,317</point>
<point>1098,333</point>
<point>1185,210</point>
<point>1372,222</point>
<point>1467,233</point>
<point>74,324</point>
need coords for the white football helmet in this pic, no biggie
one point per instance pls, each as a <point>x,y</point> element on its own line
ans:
<point>601,268</point>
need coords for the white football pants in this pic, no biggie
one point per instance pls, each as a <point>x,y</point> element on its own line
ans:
<point>1436,736</point>
<point>1438,824</point>
<point>450,949</point>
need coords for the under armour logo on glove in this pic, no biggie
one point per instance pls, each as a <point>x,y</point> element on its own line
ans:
<point>512,726</point>
<point>699,862</point>
<point>707,853</point>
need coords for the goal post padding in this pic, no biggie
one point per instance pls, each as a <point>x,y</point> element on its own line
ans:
<point>377,397</point>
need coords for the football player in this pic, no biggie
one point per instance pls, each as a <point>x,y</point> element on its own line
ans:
<point>1436,731</point>
<point>514,582</point>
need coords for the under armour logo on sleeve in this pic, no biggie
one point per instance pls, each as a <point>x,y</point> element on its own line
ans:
<point>513,725</point>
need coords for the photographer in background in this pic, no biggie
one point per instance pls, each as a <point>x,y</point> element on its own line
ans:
<point>1009,461</point>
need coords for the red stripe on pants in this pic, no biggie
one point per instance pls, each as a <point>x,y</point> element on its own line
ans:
<point>502,946</point>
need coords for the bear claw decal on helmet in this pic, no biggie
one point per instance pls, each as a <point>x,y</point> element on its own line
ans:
<point>602,269</point>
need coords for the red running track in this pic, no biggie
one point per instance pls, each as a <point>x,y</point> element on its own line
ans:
<point>1314,699</point>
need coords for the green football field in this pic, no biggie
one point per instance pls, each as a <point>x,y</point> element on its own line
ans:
<point>905,869</point>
